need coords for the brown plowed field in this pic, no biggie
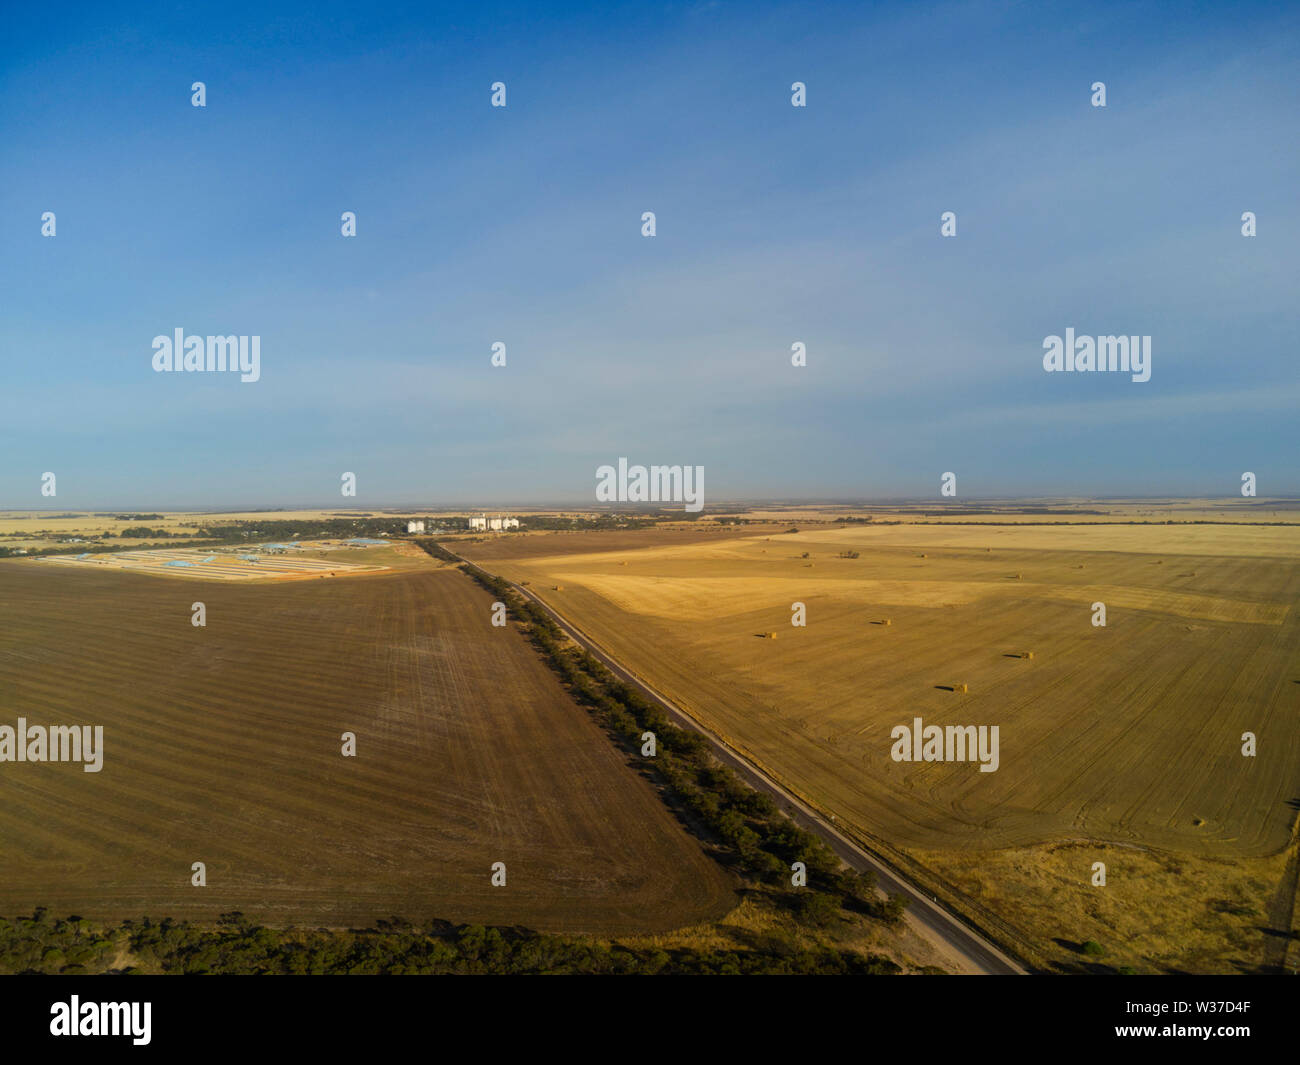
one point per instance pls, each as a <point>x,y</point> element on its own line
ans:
<point>222,745</point>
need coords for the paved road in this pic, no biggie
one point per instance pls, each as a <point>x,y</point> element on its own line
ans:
<point>930,920</point>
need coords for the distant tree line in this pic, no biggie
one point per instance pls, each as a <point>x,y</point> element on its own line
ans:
<point>597,522</point>
<point>439,552</point>
<point>242,532</point>
<point>305,529</point>
<point>75,549</point>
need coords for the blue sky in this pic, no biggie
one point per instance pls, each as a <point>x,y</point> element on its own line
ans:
<point>775,224</point>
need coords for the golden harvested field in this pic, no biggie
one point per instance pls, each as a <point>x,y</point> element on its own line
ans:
<point>1125,734</point>
<point>1028,511</point>
<point>222,745</point>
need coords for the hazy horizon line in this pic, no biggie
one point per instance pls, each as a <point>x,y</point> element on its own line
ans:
<point>723,505</point>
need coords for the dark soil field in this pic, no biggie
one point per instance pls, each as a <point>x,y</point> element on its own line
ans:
<point>582,542</point>
<point>222,744</point>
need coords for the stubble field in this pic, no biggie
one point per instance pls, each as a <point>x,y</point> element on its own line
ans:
<point>1127,735</point>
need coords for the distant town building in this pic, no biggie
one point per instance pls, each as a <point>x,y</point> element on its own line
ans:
<point>415,526</point>
<point>486,524</point>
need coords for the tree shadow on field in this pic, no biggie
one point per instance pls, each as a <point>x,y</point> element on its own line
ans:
<point>1260,969</point>
<point>1233,908</point>
<point>1082,966</point>
<point>771,943</point>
